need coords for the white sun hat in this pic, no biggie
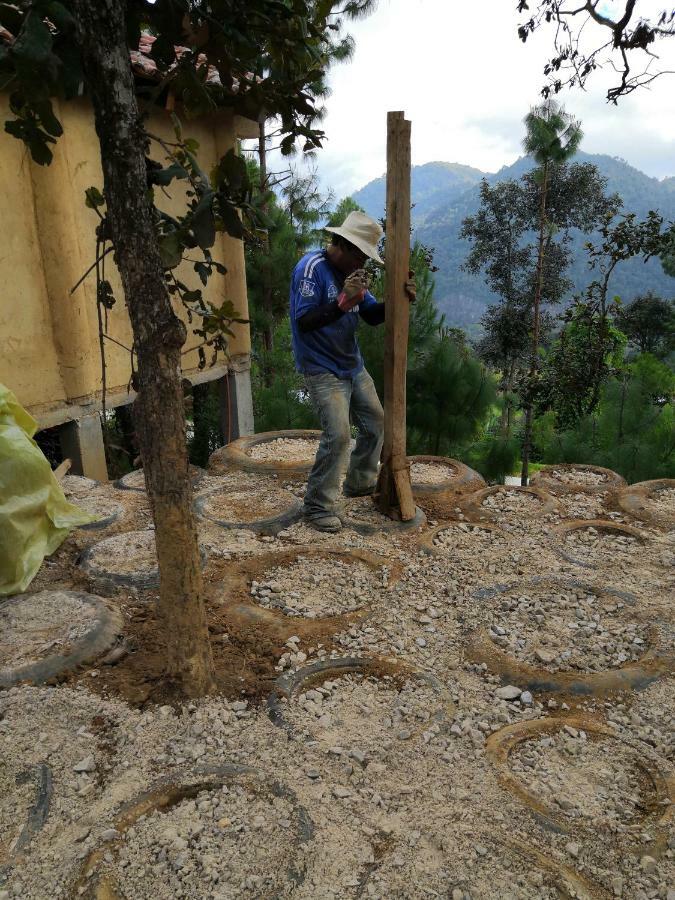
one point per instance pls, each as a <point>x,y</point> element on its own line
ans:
<point>363,232</point>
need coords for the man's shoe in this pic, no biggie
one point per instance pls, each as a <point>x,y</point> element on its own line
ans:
<point>364,492</point>
<point>325,523</point>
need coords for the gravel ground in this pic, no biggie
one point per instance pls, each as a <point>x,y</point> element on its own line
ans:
<point>597,782</point>
<point>461,537</point>
<point>412,806</point>
<point>236,838</point>
<point>246,506</point>
<point>285,449</point>
<point>577,476</point>
<point>40,625</point>
<point>592,545</point>
<point>431,473</point>
<point>567,629</point>
<point>318,587</point>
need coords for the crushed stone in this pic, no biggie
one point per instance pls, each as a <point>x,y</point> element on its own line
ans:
<point>285,449</point>
<point>567,629</point>
<point>431,473</point>
<point>41,625</point>
<point>318,587</point>
<point>596,781</point>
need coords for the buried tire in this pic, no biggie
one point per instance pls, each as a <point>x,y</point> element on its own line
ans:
<point>23,620</point>
<point>166,797</point>
<point>129,548</point>
<point>242,453</point>
<point>454,477</point>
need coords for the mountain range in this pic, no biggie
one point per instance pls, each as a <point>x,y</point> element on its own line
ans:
<point>444,194</point>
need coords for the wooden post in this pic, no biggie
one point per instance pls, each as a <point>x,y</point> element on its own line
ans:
<point>395,497</point>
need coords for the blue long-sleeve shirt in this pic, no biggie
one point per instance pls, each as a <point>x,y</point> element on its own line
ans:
<point>333,347</point>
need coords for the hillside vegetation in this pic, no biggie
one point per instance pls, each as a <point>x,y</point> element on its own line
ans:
<point>444,194</point>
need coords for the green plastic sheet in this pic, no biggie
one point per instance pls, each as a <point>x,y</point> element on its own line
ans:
<point>35,517</point>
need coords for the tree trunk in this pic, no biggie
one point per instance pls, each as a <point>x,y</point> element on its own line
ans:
<point>158,335</point>
<point>268,327</point>
<point>536,320</point>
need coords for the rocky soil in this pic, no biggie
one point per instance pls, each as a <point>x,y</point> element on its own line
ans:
<point>318,587</point>
<point>431,473</point>
<point>582,477</point>
<point>374,784</point>
<point>285,449</point>
<point>42,624</point>
<point>592,544</point>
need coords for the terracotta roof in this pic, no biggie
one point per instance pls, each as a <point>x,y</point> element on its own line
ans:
<point>141,60</point>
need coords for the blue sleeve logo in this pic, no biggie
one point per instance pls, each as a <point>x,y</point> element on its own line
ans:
<point>307,288</point>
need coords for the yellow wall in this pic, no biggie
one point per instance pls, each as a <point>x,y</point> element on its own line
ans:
<point>49,348</point>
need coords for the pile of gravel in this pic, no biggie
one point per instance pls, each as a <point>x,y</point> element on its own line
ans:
<point>594,545</point>
<point>77,486</point>
<point>233,841</point>
<point>131,552</point>
<point>577,476</point>
<point>596,782</point>
<point>285,449</point>
<point>509,503</point>
<point>246,506</point>
<point>42,624</point>
<point>465,537</point>
<point>353,715</point>
<point>584,506</point>
<point>316,587</point>
<point>663,501</point>
<point>567,629</point>
<point>431,473</point>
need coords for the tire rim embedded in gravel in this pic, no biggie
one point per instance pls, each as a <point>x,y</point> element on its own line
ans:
<point>546,480</point>
<point>171,791</point>
<point>106,628</point>
<point>236,454</point>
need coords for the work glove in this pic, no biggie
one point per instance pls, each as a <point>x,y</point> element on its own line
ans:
<point>353,290</point>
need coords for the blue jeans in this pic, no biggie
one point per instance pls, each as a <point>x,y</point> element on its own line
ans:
<point>335,400</point>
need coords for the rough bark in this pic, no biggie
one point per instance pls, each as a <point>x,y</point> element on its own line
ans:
<point>267,300</point>
<point>536,320</point>
<point>158,335</point>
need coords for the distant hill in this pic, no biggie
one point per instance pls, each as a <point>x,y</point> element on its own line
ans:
<point>430,184</point>
<point>444,194</point>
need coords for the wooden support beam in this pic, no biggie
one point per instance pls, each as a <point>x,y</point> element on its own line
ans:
<point>394,492</point>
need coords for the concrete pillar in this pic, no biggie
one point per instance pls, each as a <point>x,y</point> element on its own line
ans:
<point>82,443</point>
<point>236,405</point>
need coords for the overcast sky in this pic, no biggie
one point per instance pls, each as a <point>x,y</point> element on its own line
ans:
<point>463,77</point>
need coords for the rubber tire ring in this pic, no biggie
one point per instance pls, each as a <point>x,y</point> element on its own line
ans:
<point>234,456</point>
<point>271,526</point>
<point>466,481</point>
<point>88,648</point>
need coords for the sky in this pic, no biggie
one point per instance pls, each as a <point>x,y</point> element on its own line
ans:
<point>465,80</point>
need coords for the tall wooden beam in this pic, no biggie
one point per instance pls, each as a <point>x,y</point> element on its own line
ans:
<point>394,492</point>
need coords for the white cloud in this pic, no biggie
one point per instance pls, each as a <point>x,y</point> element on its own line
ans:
<point>465,80</point>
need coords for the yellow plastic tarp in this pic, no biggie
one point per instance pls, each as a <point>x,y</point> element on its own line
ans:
<point>35,517</point>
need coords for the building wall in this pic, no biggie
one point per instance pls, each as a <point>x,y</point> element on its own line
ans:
<point>49,344</point>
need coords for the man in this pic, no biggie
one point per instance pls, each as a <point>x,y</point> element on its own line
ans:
<point>328,298</point>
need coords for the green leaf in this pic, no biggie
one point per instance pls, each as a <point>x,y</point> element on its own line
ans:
<point>231,221</point>
<point>203,271</point>
<point>93,198</point>
<point>203,223</point>
<point>170,249</point>
<point>47,118</point>
<point>34,43</point>
<point>164,177</point>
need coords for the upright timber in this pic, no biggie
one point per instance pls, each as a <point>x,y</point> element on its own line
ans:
<point>394,492</point>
